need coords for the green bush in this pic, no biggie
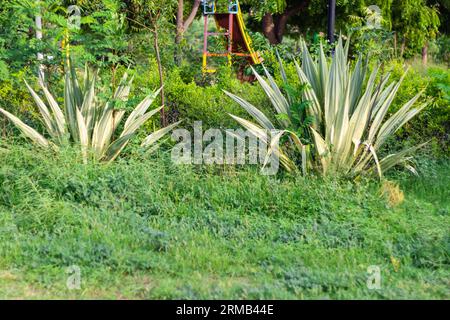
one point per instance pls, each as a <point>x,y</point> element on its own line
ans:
<point>87,121</point>
<point>190,96</point>
<point>440,50</point>
<point>340,108</point>
<point>206,101</point>
<point>15,97</point>
<point>433,123</point>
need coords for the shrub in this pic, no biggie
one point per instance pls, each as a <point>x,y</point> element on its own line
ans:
<point>348,107</point>
<point>440,49</point>
<point>15,97</point>
<point>206,101</point>
<point>87,121</point>
<point>433,124</point>
<point>191,96</point>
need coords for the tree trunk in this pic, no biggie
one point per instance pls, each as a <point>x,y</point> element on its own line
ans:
<point>269,28</point>
<point>425,54</point>
<point>403,47</point>
<point>179,31</point>
<point>274,27</point>
<point>160,72</point>
<point>395,44</point>
<point>192,15</point>
<point>40,55</point>
<point>281,26</point>
<point>183,25</point>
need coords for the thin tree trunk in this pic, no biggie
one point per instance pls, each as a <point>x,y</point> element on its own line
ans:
<point>395,44</point>
<point>40,55</point>
<point>183,25</point>
<point>192,15</point>
<point>179,32</point>
<point>160,72</point>
<point>113,76</point>
<point>403,47</point>
<point>425,54</point>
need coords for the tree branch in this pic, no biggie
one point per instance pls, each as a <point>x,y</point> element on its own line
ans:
<point>180,16</point>
<point>192,15</point>
<point>283,19</point>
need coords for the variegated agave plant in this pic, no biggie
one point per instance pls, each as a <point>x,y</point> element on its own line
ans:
<point>349,106</point>
<point>88,123</point>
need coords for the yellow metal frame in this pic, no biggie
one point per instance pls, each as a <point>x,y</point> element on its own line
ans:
<point>247,39</point>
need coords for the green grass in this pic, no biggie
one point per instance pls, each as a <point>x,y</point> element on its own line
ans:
<point>149,229</point>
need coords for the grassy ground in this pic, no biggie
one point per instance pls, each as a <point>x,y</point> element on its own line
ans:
<point>148,229</point>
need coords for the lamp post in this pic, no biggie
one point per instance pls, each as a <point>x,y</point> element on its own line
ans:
<point>331,19</point>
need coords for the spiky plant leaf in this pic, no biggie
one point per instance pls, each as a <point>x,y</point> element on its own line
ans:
<point>45,113</point>
<point>29,132</point>
<point>253,111</point>
<point>85,122</point>
<point>158,134</point>
<point>349,106</point>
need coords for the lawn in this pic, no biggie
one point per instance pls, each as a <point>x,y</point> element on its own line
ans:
<point>148,229</point>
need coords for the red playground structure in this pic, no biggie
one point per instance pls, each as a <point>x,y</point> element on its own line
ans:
<point>238,40</point>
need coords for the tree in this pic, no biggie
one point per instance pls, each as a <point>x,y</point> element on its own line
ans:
<point>275,14</point>
<point>183,24</point>
<point>152,16</point>
<point>40,55</point>
<point>104,37</point>
<point>418,23</point>
<point>414,22</point>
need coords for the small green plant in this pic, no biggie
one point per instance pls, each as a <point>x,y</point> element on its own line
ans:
<point>349,109</point>
<point>88,122</point>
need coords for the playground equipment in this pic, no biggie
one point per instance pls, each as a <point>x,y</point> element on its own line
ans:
<point>238,40</point>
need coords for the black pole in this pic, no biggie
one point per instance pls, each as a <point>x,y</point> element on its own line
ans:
<point>331,19</point>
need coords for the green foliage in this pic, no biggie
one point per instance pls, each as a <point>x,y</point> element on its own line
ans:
<point>416,21</point>
<point>16,98</point>
<point>4,73</point>
<point>104,39</point>
<point>146,228</point>
<point>18,47</point>
<point>440,50</point>
<point>18,50</point>
<point>205,101</point>
<point>433,123</point>
<point>371,34</point>
<point>262,7</point>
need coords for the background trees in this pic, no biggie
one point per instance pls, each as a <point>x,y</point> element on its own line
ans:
<point>111,31</point>
<point>413,22</point>
<point>275,14</point>
<point>116,34</point>
<point>183,24</point>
